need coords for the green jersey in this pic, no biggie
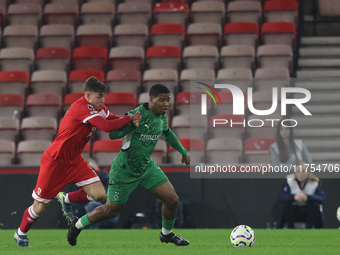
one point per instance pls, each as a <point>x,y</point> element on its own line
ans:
<point>139,143</point>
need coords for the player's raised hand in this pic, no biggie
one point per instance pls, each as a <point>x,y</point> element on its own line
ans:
<point>136,118</point>
<point>186,159</point>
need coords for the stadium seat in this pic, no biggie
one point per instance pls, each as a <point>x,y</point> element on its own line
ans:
<point>124,80</point>
<point>195,57</point>
<point>2,13</point>
<point>168,34</point>
<point>48,105</point>
<point>57,35</point>
<point>263,126</point>
<point>328,8</point>
<point>94,13</point>
<point>256,149</point>
<point>279,33</point>
<point>94,35</point>
<point>237,56</point>
<point>189,76</point>
<point>131,35</point>
<point>90,57</point>
<point>227,125</point>
<point>38,128</point>
<point>159,153</point>
<point>16,59</point>
<point>121,102</point>
<point>49,81</point>
<point>77,78</point>
<point>275,56</point>
<point>224,150</point>
<point>281,10</point>
<point>244,11</point>
<point>29,152</point>
<point>208,12</point>
<point>11,106</point>
<point>9,129</point>
<point>134,13</point>
<point>167,57</point>
<point>61,13</point>
<point>20,36</point>
<point>195,148</point>
<point>167,77</point>
<point>189,102</point>
<point>7,152</point>
<point>240,77</point>
<point>171,12</point>
<point>126,57</point>
<point>71,98</point>
<point>268,77</point>
<point>104,151</point>
<point>29,13</point>
<point>14,82</point>
<point>204,34</point>
<point>53,58</point>
<point>241,33</point>
<point>186,126</point>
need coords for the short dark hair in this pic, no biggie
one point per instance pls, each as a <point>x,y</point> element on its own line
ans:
<point>158,89</point>
<point>92,84</point>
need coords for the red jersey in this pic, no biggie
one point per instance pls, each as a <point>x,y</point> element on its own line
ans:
<point>75,131</point>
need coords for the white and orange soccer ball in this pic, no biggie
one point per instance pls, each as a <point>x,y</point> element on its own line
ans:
<point>242,236</point>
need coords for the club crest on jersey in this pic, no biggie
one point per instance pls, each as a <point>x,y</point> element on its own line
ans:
<point>92,110</point>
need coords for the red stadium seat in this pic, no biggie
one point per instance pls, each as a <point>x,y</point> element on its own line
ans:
<point>48,105</point>
<point>256,149</point>
<point>167,57</point>
<point>281,10</point>
<point>61,13</point>
<point>279,33</point>
<point>104,151</point>
<point>11,105</point>
<point>189,98</point>
<point>241,33</point>
<point>119,103</point>
<point>171,12</point>
<point>14,82</point>
<point>123,80</point>
<point>90,57</point>
<point>53,58</point>
<point>77,78</point>
<point>233,128</point>
<point>195,148</point>
<point>168,34</point>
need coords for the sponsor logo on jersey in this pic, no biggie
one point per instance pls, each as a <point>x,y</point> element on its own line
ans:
<point>147,126</point>
<point>92,110</point>
<point>144,137</point>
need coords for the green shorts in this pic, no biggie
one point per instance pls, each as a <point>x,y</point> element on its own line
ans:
<point>123,182</point>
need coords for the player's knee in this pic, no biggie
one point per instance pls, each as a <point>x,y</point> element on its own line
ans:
<point>172,200</point>
<point>99,197</point>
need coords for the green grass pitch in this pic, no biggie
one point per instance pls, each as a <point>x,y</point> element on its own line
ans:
<point>202,241</point>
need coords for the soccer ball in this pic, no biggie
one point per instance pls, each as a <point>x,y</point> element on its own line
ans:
<point>242,236</point>
<point>338,214</point>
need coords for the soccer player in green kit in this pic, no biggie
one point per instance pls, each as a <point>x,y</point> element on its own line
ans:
<point>134,167</point>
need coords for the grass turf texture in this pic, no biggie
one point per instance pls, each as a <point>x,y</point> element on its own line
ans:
<point>202,241</point>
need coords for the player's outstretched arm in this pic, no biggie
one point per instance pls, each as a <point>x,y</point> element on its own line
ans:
<point>109,125</point>
<point>117,134</point>
<point>170,137</point>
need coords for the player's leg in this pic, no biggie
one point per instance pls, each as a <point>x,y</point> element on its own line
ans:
<point>50,182</point>
<point>91,188</point>
<point>156,182</point>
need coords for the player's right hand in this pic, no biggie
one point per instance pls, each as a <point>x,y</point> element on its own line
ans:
<point>136,118</point>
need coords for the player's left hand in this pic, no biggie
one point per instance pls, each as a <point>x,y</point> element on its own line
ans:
<point>186,159</point>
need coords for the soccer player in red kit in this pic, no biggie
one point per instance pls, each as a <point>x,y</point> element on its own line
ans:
<point>62,161</point>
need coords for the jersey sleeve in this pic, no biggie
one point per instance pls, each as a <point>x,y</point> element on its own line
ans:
<point>85,112</point>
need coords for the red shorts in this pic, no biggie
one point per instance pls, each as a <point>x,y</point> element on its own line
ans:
<point>54,175</point>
